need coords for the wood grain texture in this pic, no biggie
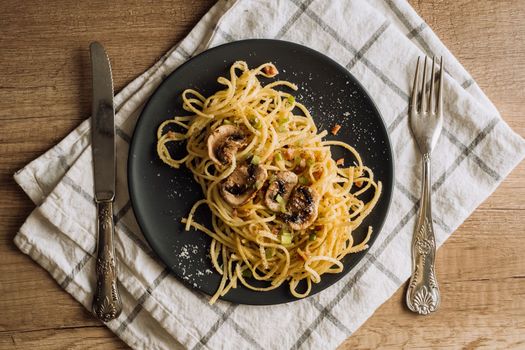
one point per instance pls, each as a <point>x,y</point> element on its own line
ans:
<point>76,338</point>
<point>44,94</point>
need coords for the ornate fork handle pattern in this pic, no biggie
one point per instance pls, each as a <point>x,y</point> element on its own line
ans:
<point>423,291</point>
<point>106,304</point>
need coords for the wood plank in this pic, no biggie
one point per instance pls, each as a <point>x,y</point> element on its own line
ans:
<point>95,338</point>
<point>31,299</point>
<point>484,314</point>
<point>481,250</point>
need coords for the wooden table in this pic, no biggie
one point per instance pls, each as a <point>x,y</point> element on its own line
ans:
<point>45,93</point>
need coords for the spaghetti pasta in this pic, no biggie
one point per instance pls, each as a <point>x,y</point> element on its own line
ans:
<point>282,209</point>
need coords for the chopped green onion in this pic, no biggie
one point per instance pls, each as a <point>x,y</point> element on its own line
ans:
<point>312,237</point>
<point>303,180</point>
<point>226,122</point>
<point>283,128</point>
<point>291,99</point>
<point>247,273</point>
<point>297,160</point>
<point>282,203</point>
<point>255,122</point>
<point>256,160</point>
<point>286,238</point>
<point>283,120</point>
<point>309,162</point>
<point>278,157</point>
<point>269,252</point>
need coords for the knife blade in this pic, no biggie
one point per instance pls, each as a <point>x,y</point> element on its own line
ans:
<point>107,304</point>
<point>103,124</point>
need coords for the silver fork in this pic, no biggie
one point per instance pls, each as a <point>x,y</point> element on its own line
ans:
<point>426,122</point>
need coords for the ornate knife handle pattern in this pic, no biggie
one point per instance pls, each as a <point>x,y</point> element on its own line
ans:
<point>423,291</point>
<point>107,304</point>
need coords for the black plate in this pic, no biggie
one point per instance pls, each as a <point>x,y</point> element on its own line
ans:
<point>161,196</point>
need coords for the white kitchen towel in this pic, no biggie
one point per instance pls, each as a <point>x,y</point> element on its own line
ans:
<point>378,41</point>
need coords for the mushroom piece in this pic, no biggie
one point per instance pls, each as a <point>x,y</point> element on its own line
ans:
<point>282,186</point>
<point>243,184</point>
<point>302,208</point>
<point>224,142</point>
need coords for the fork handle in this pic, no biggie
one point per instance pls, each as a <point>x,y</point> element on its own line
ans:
<point>423,291</point>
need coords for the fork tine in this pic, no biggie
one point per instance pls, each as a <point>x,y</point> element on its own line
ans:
<point>440,92</point>
<point>424,88</point>
<point>432,108</point>
<point>413,100</point>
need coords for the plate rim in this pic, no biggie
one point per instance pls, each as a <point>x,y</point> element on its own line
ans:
<point>132,145</point>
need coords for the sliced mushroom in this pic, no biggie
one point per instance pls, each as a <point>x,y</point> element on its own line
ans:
<point>243,184</point>
<point>282,186</point>
<point>302,208</point>
<point>224,142</point>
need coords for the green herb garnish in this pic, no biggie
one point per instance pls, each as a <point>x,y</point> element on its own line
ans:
<point>283,120</point>
<point>303,180</point>
<point>255,121</point>
<point>282,203</point>
<point>269,252</point>
<point>286,238</point>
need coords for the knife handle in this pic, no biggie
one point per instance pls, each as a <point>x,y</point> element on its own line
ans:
<point>107,304</point>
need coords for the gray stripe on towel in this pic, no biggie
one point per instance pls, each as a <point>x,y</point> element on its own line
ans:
<point>204,340</point>
<point>481,164</point>
<point>302,7</point>
<point>362,51</point>
<point>141,300</point>
<point>331,317</point>
<point>412,32</point>
<point>218,311</point>
<point>465,152</point>
<point>415,32</point>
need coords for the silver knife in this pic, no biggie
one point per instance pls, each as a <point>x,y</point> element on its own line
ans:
<point>107,304</point>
